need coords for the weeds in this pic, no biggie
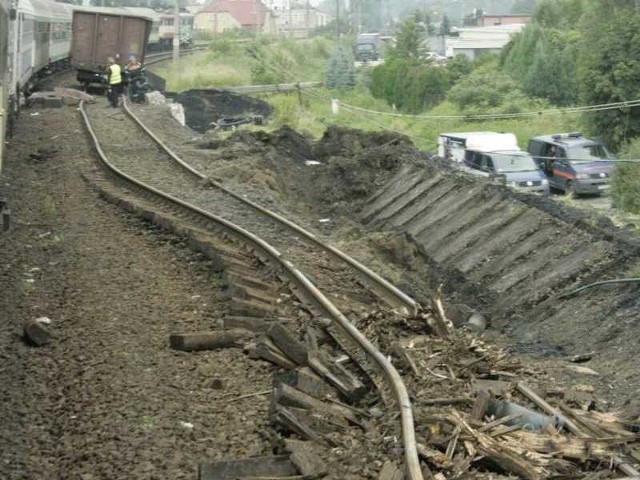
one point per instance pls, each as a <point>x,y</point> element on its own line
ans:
<point>49,209</point>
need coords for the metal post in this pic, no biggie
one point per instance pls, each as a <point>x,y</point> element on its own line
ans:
<point>337,20</point>
<point>176,33</point>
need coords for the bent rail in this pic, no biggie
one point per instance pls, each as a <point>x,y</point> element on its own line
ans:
<point>413,471</point>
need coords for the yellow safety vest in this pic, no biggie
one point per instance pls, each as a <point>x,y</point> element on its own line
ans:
<point>116,74</point>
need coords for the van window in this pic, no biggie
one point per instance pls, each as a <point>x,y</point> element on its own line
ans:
<point>520,162</point>
<point>587,153</point>
<point>487,164</point>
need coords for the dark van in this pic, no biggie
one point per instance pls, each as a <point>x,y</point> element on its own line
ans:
<point>573,164</point>
<point>517,167</point>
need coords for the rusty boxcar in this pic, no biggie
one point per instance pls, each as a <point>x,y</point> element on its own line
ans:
<point>100,33</point>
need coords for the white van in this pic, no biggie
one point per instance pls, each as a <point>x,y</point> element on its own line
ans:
<point>496,155</point>
<point>452,146</point>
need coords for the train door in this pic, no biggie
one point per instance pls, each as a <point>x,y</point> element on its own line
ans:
<point>41,42</point>
<point>26,40</point>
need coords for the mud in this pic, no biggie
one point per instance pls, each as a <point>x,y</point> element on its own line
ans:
<point>204,109</point>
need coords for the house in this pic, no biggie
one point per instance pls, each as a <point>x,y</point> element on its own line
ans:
<point>298,21</point>
<point>278,5</point>
<point>476,41</point>
<point>222,15</point>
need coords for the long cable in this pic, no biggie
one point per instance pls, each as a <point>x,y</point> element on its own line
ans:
<point>597,284</point>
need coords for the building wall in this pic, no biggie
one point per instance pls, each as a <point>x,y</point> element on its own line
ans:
<point>297,22</point>
<point>214,22</point>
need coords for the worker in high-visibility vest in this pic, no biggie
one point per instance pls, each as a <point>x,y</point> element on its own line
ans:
<point>114,79</point>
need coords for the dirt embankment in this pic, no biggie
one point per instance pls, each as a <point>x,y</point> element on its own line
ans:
<point>507,254</point>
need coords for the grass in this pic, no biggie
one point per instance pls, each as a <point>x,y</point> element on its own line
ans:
<point>49,209</point>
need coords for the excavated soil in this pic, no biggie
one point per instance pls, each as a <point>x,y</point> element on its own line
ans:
<point>107,398</point>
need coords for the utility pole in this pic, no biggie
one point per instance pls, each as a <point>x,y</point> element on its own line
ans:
<point>176,33</point>
<point>337,21</point>
<point>306,20</point>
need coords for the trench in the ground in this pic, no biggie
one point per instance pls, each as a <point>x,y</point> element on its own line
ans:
<point>504,254</point>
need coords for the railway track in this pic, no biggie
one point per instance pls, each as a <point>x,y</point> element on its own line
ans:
<point>337,290</point>
<point>321,297</point>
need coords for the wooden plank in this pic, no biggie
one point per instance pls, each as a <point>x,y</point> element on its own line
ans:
<point>481,405</point>
<point>307,457</point>
<point>253,324</point>
<point>264,348</point>
<point>192,342</point>
<point>291,346</point>
<point>290,397</point>
<point>287,419</point>
<point>306,381</point>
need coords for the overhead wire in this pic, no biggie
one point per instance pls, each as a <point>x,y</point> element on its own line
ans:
<point>366,113</point>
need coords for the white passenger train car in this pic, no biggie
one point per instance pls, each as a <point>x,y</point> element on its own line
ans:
<point>41,41</point>
<point>4,73</point>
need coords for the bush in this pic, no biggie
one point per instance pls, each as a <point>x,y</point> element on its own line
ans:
<point>409,84</point>
<point>625,184</point>
<point>483,90</point>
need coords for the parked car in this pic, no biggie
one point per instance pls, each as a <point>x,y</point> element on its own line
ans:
<point>516,167</point>
<point>573,164</point>
<point>493,154</point>
<point>452,146</point>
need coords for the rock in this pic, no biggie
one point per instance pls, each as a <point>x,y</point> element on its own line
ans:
<point>46,100</point>
<point>36,333</point>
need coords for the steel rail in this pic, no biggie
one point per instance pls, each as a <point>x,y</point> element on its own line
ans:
<point>385,290</point>
<point>412,463</point>
<point>161,56</point>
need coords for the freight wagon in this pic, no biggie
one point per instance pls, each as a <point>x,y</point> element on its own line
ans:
<point>100,33</point>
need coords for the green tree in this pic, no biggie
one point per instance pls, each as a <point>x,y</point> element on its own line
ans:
<point>609,68</point>
<point>551,76</point>
<point>409,39</point>
<point>409,84</point>
<point>459,67</point>
<point>542,58</point>
<point>625,184</point>
<point>487,89</point>
<point>341,72</point>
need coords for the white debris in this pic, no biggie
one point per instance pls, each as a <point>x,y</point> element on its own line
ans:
<point>177,112</point>
<point>45,234</point>
<point>29,280</point>
<point>44,320</point>
<point>187,425</point>
<point>312,162</point>
<point>154,98</point>
<point>35,114</point>
<point>324,220</point>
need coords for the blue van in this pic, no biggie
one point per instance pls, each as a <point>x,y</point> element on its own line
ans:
<point>573,164</point>
<point>517,167</point>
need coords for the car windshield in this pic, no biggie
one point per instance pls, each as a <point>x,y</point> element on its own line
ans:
<point>587,153</point>
<point>519,162</point>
